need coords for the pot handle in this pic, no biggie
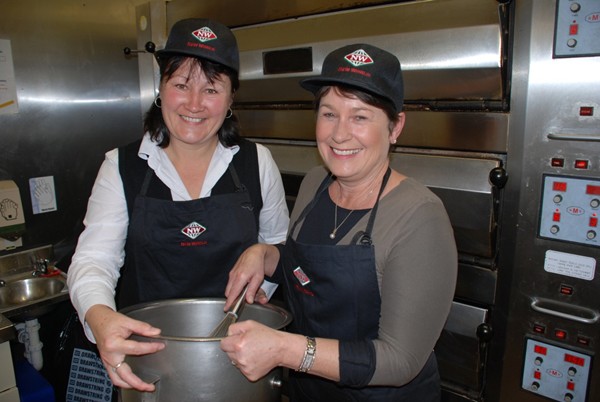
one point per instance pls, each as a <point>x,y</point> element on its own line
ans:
<point>151,379</point>
<point>276,382</point>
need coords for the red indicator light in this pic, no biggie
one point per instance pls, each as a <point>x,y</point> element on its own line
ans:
<point>586,111</point>
<point>560,334</point>
<point>539,329</point>
<point>593,222</point>
<point>566,290</point>
<point>574,359</point>
<point>540,350</point>
<point>573,29</point>
<point>537,375</point>
<point>581,164</point>
<point>592,190</point>
<point>571,386</point>
<point>559,186</point>
<point>556,217</point>
<point>557,162</point>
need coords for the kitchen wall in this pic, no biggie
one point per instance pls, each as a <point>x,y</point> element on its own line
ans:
<point>78,97</point>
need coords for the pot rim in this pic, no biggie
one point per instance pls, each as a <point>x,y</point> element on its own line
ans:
<point>161,303</point>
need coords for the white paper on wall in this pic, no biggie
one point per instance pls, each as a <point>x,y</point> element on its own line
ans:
<point>8,87</point>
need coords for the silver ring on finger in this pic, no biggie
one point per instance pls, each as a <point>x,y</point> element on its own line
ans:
<point>116,366</point>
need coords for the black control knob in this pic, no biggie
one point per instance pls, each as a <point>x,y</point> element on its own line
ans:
<point>150,47</point>
<point>485,332</point>
<point>498,177</point>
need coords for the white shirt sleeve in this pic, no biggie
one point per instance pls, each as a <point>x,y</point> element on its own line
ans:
<point>94,269</point>
<point>274,216</point>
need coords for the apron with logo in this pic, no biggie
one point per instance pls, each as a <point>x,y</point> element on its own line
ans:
<point>333,293</point>
<point>179,249</point>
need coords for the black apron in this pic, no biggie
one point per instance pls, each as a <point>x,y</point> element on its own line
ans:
<point>333,293</point>
<point>185,248</point>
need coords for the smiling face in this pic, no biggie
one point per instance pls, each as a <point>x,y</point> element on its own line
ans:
<point>194,108</point>
<point>353,137</point>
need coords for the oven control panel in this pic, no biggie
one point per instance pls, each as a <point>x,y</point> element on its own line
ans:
<point>556,373</point>
<point>577,28</point>
<point>570,210</point>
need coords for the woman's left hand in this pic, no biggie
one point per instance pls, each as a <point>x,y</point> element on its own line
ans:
<point>254,348</point>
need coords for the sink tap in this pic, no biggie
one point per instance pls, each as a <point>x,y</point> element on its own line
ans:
<point>40,267</point>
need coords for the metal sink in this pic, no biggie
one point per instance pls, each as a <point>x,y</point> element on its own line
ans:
<point>27,290</point>
<point>24,296</point>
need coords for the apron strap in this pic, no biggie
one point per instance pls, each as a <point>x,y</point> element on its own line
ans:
<point>146,182</point>
<point>364,237</point>
<point>239,187</point>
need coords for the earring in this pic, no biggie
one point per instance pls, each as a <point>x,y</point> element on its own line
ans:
<point>157,101</point>
<point>229,113</point>
<point>394,141</point>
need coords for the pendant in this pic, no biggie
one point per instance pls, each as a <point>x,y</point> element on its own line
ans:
<point>332,235</point>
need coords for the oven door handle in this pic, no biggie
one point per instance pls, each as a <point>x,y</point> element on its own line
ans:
<point>574,137</point>
<point>563,310</point>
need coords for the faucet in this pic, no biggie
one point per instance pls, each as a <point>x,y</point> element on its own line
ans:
<point>40,267</point>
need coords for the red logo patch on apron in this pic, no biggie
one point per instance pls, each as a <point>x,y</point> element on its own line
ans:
<point>193,230</point>
<point>301,276</point>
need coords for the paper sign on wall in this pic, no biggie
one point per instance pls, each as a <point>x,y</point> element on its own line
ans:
<point>8,87</point>
<point>43,195</point>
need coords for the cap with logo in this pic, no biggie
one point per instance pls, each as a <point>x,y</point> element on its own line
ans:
<point>362,66</point>
<point>204,38</point>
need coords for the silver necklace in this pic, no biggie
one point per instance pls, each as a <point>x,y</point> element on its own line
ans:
<point>335,225</point>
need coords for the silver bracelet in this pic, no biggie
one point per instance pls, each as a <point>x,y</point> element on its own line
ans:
<point>309,355</point>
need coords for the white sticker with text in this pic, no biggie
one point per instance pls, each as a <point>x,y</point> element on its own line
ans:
<point>573,265</point>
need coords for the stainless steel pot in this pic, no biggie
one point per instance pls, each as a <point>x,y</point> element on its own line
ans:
<point>193,367</point>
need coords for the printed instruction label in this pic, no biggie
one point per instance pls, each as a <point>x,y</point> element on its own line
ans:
<point>88,380</point>
<point>573,265</point>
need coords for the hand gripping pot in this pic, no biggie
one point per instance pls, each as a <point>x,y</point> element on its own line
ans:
<point>193,367</point>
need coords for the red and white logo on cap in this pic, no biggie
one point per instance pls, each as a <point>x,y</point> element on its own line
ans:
<point>204,34</point>
<point>358,58</point>
<point>193,230</point>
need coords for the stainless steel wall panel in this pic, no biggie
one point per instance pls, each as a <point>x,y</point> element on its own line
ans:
<point>78,97</point>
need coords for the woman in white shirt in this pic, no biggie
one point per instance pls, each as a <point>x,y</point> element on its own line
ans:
<point>169,214</point>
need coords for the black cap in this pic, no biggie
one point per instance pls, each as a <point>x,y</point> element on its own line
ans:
<point>204,38</point>
<point>362,66</point>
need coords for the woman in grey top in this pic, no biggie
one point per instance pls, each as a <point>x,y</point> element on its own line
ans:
<point>369,265</point>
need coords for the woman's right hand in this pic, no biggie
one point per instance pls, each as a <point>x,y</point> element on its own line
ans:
<point>251,267</point>
<point>112,330</point>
